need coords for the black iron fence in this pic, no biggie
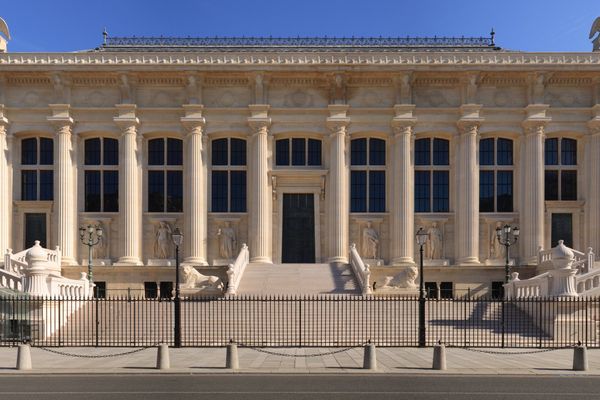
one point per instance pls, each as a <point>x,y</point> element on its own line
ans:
<point>308,321</point>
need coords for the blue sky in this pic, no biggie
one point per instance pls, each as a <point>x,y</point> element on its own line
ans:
<point>530,25</point>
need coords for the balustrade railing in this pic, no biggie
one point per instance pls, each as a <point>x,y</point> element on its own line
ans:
<point>236,270</point>
<point>361,270</point>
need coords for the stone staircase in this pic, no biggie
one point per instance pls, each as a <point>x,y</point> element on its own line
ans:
<point>298,279</point>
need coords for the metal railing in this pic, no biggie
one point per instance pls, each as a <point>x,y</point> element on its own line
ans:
<point>307,321</point>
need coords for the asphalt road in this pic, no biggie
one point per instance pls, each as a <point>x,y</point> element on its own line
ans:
<point>281,387</point>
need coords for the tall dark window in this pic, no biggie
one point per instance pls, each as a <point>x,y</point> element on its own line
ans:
<point>367,175</point>
<point>37,174</point>
<point>228,177</point>
<point>165,175</point>
<point>560,157</point>
<point>432,175</point>
<point>101,175</point>
<point>298,152</point>
<point>496,175</point>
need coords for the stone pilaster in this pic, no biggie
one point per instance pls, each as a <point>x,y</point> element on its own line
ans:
<point>593,171</point>
<point>260,191</point>
<point>338,195</point>
<point>5,187</point>
<point>403,208</point>
<point>65,200</point>
<point>130,204</point>
<point>531,215</point>
<point>467,190</point>
<point>195,193</point>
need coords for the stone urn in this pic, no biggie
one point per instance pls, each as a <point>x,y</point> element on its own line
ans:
<point>563,276</point>
<point>36,273</point>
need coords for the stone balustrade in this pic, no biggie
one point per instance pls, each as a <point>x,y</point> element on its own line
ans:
<point>361,270</point>
<point>236,270</point>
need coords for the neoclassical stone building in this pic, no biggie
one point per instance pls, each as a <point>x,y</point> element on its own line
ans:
<point>299,148</point>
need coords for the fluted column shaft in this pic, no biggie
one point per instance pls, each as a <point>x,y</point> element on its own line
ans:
<point>64,201</point>
<point>467,207</point>
<point>532,212</point>
<point>260,227</point>
<point>403,197</point>
<point>338,209</point>
<point>195,204</point>
<point>5,189</point>
<point>129,199</point>
<point>593,195</point>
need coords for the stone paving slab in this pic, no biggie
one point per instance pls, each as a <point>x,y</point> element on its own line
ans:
<point>390,360</point>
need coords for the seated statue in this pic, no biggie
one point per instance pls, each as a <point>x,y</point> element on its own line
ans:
<point>192,279</point>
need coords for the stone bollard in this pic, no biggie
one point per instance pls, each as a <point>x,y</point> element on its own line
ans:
<point>231,361</point>
<point>24,357</point>
<point>580,361</point>
<point>162,357</point>
<point>439,357</point>
<point>370,357</point>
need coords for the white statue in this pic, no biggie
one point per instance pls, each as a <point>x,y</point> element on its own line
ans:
<point>433,247</point>
<point>227,241</point>
<point>496,249</point>
<point>404,279</point>
<point>595,29</point>
<point>162,244</point>
<point>193,279</point>
<point>370,242</point>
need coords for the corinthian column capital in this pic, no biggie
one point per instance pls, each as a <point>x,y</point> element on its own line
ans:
<point>594,123</point>
<point>3,121</point>
<point>534,128</point>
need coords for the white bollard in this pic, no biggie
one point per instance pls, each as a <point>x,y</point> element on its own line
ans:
<point>370,357</point>
<point>580,361</point>
<point>24,357</point>
<point>232,360</point>
<point>162,357</point>
<point>439,357</point>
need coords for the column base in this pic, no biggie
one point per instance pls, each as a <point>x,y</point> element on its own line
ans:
<point>338,260</point>
<point>68,262</point>
<point>127,261</point>
<point>195,261</point>
<point>402,261</point>
<point>468,261</point>
<point>261,260</point>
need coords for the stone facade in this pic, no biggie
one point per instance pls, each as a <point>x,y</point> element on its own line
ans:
<point>334,97</point>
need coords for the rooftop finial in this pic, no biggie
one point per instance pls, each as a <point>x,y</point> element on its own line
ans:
<point>493,34</point>
<point>104,35</point>
<point>5,35</point>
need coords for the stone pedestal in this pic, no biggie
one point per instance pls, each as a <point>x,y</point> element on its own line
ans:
<point>563,282</point>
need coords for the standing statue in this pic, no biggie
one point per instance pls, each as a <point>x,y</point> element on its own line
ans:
<point>370,242</point>
<point>595,29</point>
<point>162,244</point>
<point>433,247</point>
<point>227,241</point>
<point>496,249</point>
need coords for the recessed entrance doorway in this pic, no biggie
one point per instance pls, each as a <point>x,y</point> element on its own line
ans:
<point>298,236</point>
<point>35,229</point>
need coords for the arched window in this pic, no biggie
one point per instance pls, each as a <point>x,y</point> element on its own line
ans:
<point>367,175</point>
<point>495,175</point>
<point>165,175</point>
<point>101,175</point>
<point>37,174</point>
<point>560,157</point>
<point>228,178</point>
<point>432,170</point>
<point>304,152</point>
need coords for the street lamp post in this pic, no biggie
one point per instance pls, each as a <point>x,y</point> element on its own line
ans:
<point>90,236</point>
<point>177,240</point>
<point>422,237</point>
<point>507,236</point>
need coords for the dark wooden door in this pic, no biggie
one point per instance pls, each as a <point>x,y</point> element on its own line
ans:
<point>35,229</point>
<point>298,238</point>
<point>562,229</point>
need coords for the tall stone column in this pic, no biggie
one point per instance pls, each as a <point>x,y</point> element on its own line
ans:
<point>338,195</point>
<point>130,205</point>
<point>5,186</point>
<point>593,171</point>
<point>531,216</point>
<point>65,204</point>
<point>467,203</point>
<point>260,192</point>
<point>195,190</point>
<point>403,208</point>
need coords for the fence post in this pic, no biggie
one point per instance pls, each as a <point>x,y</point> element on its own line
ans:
<point>97,321</point>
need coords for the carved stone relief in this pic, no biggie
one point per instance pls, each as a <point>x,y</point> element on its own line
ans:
<point>162,241</point>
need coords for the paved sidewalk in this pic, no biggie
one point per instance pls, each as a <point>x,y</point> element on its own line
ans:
<point>390,360</point>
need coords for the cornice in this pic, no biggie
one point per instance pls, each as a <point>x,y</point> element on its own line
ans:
<point>185,60</point>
